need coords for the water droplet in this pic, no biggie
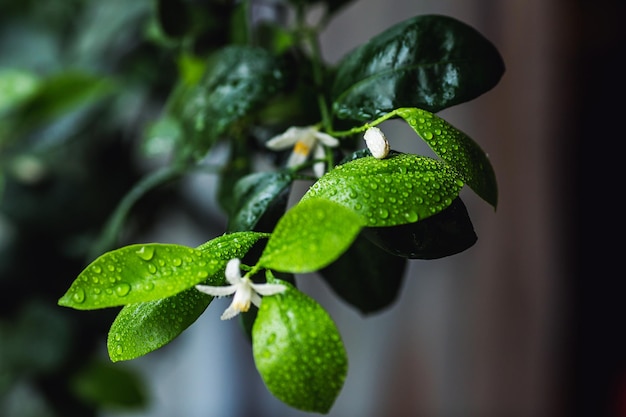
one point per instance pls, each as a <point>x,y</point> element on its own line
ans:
<point>96,269</point>
<point>145,252</point>
<point>411,216</point>
<point>151,268</point>
<point>79,295</point>
<point>122,289</point>
<point>177,261</point>
<point>428,135</point>
<point>148,286</point>
<point>119,349</point>
<point>383,213</point>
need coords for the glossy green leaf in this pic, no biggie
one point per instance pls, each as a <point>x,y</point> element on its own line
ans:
<point>366,276</point>
<point>238,80</point>
<point>298,351</point>
<point>237,165</point>
<point>429,61</point>
<point>446,233</point>
<point>400,189</point>
<point>138,273</point>
<point>457,149</point>
<point>257,193</point>
<point>144,327</point>
<point>311,235</point>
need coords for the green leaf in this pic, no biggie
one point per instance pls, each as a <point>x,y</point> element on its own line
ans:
<point>161,137</point>
<point>432,62</point>
<point>400,189</point>
<point>109,386</point>
<point>446,233</point>
<point>366,276</point>
<point>238,80</point>
<point>138,273</point>
<point>311,235</point>
<point>16,86</point>
<point>237,165</point>
<point>255,195</point>
<point>457,149</point>
<point>144,327</point>
<point>141,328</point>
<point>298,351</point>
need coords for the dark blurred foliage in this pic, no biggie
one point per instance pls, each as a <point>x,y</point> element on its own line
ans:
<point>68,154</point>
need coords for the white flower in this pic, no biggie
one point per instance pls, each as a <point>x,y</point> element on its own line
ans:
<point>376,142</point>
<point>245,290</point>
<point>304,140</point>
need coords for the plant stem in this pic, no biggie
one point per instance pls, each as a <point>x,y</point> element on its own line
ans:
<point>112,229</point>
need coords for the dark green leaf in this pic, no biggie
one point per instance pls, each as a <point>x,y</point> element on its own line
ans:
<point>139,273</point>
<point>109,386</point>
<point>144,327</point>
<point>238,80</point>
<point>400,189</point>
<point>311,235</point>
<point>446,233</point>
<point>365,276</point>
<point>255,195</point>
<point>457,149</point>
<point>16,86</point>
<point>298,351</point>
<point>431,62</point>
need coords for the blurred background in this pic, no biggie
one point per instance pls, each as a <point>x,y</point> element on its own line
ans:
<point>527,322</point>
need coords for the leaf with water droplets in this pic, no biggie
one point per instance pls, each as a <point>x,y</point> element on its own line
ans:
<point>428,61</point>
<point>298,351</point>
<point>309,236</point>
<point>457,149</point>
<point>400,189</point>
<point>257,195</point>
<point>141,328</point>
<point>366,276</point>
<point>444,234</point>
<point>138,273</point>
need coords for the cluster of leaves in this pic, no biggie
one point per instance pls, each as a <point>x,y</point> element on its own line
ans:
<point>356,226</point>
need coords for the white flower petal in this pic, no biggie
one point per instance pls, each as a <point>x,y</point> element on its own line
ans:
<point>268,289</point>
<point>256,299</point>
<point>319,168</point>
<point>230,312</point>
<point>285,140</point>
<point>326,139</point>
<point>217,291</point>
<point>233,271</point>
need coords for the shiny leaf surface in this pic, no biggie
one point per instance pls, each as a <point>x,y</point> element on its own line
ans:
<point>430,61</point>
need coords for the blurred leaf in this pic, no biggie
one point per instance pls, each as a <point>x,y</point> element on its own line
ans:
<point>429,61</point>
<point>446,233</point>
<point>298,351</point>
<point>457,149</point>
<point>237,166</point>
<point>139,273</point>
<point>16,86</point>
<point>257,194</point>
<point>161,137</point>
<point>311,235</point>
<point>238,80</point>
<point>365,276</point>
<point>400,189</point>
<point>109,386</point>
<point>144,327</point>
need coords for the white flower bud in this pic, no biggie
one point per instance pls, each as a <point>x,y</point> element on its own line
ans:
<point>376,142</point>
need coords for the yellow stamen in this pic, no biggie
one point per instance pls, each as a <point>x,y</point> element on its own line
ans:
<point>301,148</point>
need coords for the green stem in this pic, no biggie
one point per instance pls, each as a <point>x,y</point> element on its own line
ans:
<point>364,127</point>
<point>114,224</point>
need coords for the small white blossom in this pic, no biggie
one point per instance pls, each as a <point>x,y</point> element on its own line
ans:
<point>376,142</point>
<point>245,290</point>
<point>304,140</point>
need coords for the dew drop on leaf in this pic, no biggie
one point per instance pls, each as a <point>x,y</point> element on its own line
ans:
<point>145,252</point>
<point>122,289</point>
<point>79,295</point>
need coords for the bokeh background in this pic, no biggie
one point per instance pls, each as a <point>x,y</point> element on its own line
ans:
<point>528,322</point>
